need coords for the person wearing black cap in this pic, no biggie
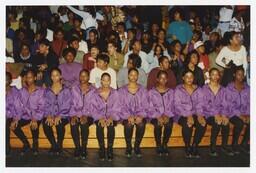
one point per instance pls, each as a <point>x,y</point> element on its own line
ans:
<point>44,61</point>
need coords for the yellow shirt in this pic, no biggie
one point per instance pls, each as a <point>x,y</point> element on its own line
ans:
<point>116,62</point>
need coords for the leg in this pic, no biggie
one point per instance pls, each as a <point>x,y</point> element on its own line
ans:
<point>111,137</point>
<point>35,136</point>
<point>238,127</point>
<point>199,133</point>
<point>225,134</point>
<point>76,138</point>
<point>157,134</point>
<point>100,137</point>
<point>60,128</point>
<point>186,134</point>
<point>214,133</point>
<point>140,130</point>
<point>167,135</point>
<point>84,134</point>
<point>245,142</point>
<point>20,134</point>
<point>128,130</point>
<point>50,136</point>
<point>7,135</point>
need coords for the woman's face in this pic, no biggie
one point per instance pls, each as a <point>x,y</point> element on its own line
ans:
<point>69,57</point>
<point>92,36</point>
<point>111,49</point>
<point>105,81</point>
<point>59,35</point>
<point>177,16</point>
<point>215,76</point>
<point>158,50</point>
<point>188,78</point>
<point>236,39</point>
<point>55,76</point>
<point>133,76</point>
<point>84,77</point>
<point>155,28</point>
<point>239,76</point>
<point>24,51</point>
<point>161,35</point>
<point>162,79</point>
<point>43,48</point>
<point>30,78</point>
<point>194,59</point>
<point>177,47</point>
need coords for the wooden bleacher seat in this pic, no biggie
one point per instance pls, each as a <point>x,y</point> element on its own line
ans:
<point>148,139</point>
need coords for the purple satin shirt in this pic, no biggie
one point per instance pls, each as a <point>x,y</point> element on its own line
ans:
<point>12,104</point>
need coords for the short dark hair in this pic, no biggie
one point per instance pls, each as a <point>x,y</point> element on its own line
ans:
<point>44,41</point>
<point>161,72</point>
<point>69,50</point>
<point>121,24</point>
<point>84,70</point>
<point>113,43</point>
<point>133,69</point>
<point>239,68</point>
<point>188,58</point>
<point>105,74</point>
<point>162,58</point>
<point>56,69</point>
<point>136,60</point>
<point>103,57</point>
<point>73,39</point>
<point>30,71</point>
<point>213,69</point>
<point>187,70</point>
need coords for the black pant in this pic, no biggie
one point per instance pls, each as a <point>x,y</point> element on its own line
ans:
<point>215,131</point>
<point>110,135</point>
<point>187,131</point>
<point>158,131</point>
<point>84,133</point>
<point>7,134</point>
<point>60,128</point>
<point>238,127</point>
<point>128,131</point>
<point>20,134</point>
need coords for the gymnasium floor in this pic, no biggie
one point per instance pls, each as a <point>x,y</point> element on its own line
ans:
<point>149,159</point>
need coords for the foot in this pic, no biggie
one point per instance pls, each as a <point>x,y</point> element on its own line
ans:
<point>52,151</point>
<point>84,154</point>
<point>235,149</point>
<point>110,154</point>
<point>165,150</point>
<point>102,154</point>
<point>188,154</point>
<point>213,151</point>
<point>227,151</point>
<point>137,152</point>
<point>195,154</point>
<point>159,151</point>
<point>77,153</point>
<point>128,151</point>
<point>25,149</point>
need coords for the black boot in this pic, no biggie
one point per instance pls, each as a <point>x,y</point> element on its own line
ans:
<point>77,153</point>
<point>195,153</point>
<point>110,153</point>
<point>35,147</point>
<point>236,149</point>
<point>128,151</point>
<point>213,151</point>
<point>165,149</point>
<point>25,148</point>
<point>102,153</point>
<point>225,149</point>
<point>188,154</point>
<point>137,151</point>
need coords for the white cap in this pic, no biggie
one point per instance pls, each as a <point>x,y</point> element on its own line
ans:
<point>198,44</point>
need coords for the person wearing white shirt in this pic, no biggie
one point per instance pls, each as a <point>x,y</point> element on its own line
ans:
<point>145,59</point>
<point>102,62</point>
<point>237,23</point>
<point>225,13</point>
<point>89,20</point>
<point>233,52</point>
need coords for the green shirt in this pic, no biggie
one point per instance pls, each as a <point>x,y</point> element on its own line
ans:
<point>116,62</point>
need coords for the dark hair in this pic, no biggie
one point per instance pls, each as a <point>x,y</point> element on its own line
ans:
<point>174,42</point>
<point>94,31</point>
<point>161,72</point>
<point>113,43</point>
<point>8,75</point>
<point>45,42</point>
<point>199,33</point>
<point>78,18</point>
<point>56,69</point>
<point>162,51</point>
<point>59,30</point>
<point>24,44</point>
<point>188,58</point>
<point>213,69</point>
<point>132,30</point>
<point>133,69</point>
<point>72,39</point>
<point>228,36</point>
<point>94,46</point>
<point>176,10</point>
<point>186,71</point>
<point>218,43</point>
<point>161,30</point>
<point>69,50</point>
<point>136,60</point>
<point>132,43</point>
<point>25,21</point>
<point>103,57</point>
<point>30,71</point>
<point>238,68</point>
<point>105,74</point>
<point>121,24</point>
<point>84,70</point>
<point>161,59</point>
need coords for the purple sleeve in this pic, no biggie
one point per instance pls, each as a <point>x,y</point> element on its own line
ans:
<point>39,112</point>
<point>153,111</point>
<point>226,103</point>
<point>48,104</point>
<point>64,107</point>
<point>123,99</point>
<point>143,103</point>
<point>76,105</point>
<point>114,107</point>
<point>95,107</point>
<point>179,104</point>
<point>245,108</point>
<point>169,107</point>
<point>199,102</point>
<point>17,110</point>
